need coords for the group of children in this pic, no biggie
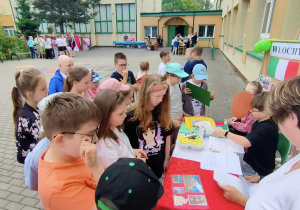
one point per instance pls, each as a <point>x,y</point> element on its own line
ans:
<point>85,128</point>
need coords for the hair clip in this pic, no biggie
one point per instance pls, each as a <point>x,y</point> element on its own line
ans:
<point>159,87</point>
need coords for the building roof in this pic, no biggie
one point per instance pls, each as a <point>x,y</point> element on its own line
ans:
<point>162,14</point>
<point>7,21</point>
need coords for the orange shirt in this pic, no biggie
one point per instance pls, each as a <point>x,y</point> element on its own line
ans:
<point>66,185</point>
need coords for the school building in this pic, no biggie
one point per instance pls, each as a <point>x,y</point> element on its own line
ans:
<point>245,22</point>
<point>207,24</point>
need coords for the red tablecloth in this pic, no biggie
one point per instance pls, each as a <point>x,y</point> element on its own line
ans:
<point>213,193</point>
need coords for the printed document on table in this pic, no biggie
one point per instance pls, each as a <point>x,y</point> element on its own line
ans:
<point>224,145</point>
<point>226,162</point>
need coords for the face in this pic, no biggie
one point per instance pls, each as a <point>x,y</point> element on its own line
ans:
<point>66,66</point>
<point>149,135</point>
<point>83,84</point>
<point>167,58</point>
<point>289,128</point>
<point>71,142</point>
<point>198,82</point>
<point>121,65</point>
<point>118,116</point>
<point>41,90</point>
<point>250,89</point>
<point>188,55</point>
<point>129,99</point>
<point>174,80</point>
<point>94,85</point>
<point>157,97</point>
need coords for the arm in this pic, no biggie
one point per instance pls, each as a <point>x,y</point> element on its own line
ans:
<point>135,87</point>
<point>240,140</point>
<point>232,194</point>
<point>244,125</point>
<point>167,153</point>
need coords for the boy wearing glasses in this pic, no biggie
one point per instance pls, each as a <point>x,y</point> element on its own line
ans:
<point>260,144</point>
<point>123,75</point>
<point>68,171</point>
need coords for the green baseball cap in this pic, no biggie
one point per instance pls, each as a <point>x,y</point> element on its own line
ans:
<point>177,69</point>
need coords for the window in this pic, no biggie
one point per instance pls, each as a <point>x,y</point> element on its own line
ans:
<point>66,26</point>
<point>103,20</point>
<point>18,10</point>
<point>206,31</point>
<point>44,27</point>
<point>150,30</point>
<point>81,28</point>
<point>125,14</point>
<point>246,23</point>
<point>9,31</point>
<point>267,19</point>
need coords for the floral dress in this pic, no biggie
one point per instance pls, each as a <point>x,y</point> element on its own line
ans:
<point>28,131</point>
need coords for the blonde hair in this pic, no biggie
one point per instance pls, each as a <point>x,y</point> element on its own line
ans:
<point>285,99</point>
<point>144,65</point>
<point>258,87</point>
<point>76,74</point>
<point>142,112</point>
<point>26,81</point>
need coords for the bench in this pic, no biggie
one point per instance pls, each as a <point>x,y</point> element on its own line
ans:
<point>141,44</point>
<point>17,54</point>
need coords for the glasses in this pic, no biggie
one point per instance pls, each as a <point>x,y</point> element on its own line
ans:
<point>93,135</point>
<point>123,65</point>
<point>252,110</point>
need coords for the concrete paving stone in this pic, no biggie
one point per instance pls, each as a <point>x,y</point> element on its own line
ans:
<point>3,203</point>
<point>17,182</point>
<point>10,156</point>
<point>14,206</point>
<point>5,179</point>
<point>15,197</point>
<point>17,175</point>
<point>15,189</point>
<point>29,201</point>
<point>29,208</point>
<point>30,193</point>
<point>39,205</point>
<point>8,161</point>
<point>6,166</point>
<point>4,186</point>
<point>18,168</point>
<point>4,194</point>
<point>10,151</point>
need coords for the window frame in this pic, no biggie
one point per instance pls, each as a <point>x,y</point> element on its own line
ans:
<point>123,21</point>
<point>86,27</point>
<point>152,37</point>
<point>266,34</point>
<point>244,35</point>
<point>205,32</point>
<point>42,26</point>
<point>101,21</point>
<point>9,30</point>
<point>65,29</point>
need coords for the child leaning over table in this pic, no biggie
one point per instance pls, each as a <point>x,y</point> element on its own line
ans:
<point>192,106</point>
<point>260,144</point>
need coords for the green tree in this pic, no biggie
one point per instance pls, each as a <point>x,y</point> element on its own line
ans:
<point>206,4</point>
<point>26,23</point>
<point>181,5</point>
<point>64,11</point>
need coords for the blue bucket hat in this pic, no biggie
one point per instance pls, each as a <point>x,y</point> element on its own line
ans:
<point>200,72</point>
<point>177,69</point>
<point>95,77</point>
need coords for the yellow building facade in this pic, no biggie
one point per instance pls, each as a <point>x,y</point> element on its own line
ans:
<point>7,18</point>
<point>207,24</point>
<point>245,22</point>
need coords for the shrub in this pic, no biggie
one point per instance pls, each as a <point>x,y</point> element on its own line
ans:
<point>10,45</point>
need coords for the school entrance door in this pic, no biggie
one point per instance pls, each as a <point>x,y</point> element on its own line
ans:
<point>174,30</point>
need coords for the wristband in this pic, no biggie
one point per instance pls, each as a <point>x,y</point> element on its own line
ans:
<point>226,133</point>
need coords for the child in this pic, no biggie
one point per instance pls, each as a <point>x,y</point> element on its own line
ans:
<point>261,143</point>
<point>196,57</point>
<point>176,44</point>
<point>128,173</point>
<point>144,66</point>
<point>128,96</point>
<point>192,106</point>
<point>165,57</point>
<point>78,80</point>
<point>113,142</point>
<point>30,85</point>
<point>68,171</point>
<point>149,126</point>
<point>188,57</point>
<point>114,84</point>
<point>57,82</point>
<point>122,74</point>
<point>242,126</point>
<point>94,87</point>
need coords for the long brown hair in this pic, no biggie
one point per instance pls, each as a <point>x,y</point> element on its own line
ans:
<point>76,74</point>
<point>26,81</point>
<point>142,111</point>
<point>107,101</point>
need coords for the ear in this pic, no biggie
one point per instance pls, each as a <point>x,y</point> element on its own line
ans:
<point>59,140</point>
<point>74,82</point>
<point>295,120</point>
<point>115,64</point>
<point>29,94</point>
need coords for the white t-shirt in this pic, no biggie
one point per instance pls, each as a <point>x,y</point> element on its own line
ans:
<point>64,42</point>
<point>278,190</point>
<point>197,105</point>
<point>48,43</point>
<point>162,69</point>
<point>108,151</point>
<point>176,101</point>
<point>59,42</point>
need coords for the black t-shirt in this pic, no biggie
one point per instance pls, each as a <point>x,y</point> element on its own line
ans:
<point>261,155</point>
<point>152,142</point>
<point>194,39</point>
<point>130,79</point>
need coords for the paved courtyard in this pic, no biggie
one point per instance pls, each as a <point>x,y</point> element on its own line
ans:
<point>13,193</point>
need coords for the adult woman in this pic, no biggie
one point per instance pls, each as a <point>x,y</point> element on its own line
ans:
<point>31,47</point>
<point>194,39</point>
<point>278,190</point>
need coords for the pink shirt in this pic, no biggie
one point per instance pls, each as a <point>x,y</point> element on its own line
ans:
<point>92,94</point>
<point>245,124</point>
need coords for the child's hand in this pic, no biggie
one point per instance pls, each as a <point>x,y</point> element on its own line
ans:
<point>187,91</point>
<point>212,95</point>
<point>229,121</point>
<point>252,179</point>
<point>140,154</point>
<point>166,164</point>
<point>234,119</point>
<point>219,133</point>
<point>124,73</point>
<point>232,194</point>
<point>88,151</point>
<point>176,123</point>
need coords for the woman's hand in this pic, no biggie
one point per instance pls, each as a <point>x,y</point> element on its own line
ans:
<point>232,194</point>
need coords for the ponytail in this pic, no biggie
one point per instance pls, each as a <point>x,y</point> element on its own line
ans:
<point>17,103</point>
<point>68,85</point>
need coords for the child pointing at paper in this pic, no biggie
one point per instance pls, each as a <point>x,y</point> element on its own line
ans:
<point>192,106</point>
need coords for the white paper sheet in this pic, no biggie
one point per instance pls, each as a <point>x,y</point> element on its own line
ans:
<point>224,145</point>
<point>226,162</point>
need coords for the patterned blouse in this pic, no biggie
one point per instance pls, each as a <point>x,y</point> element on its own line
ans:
<point>28,131</point>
